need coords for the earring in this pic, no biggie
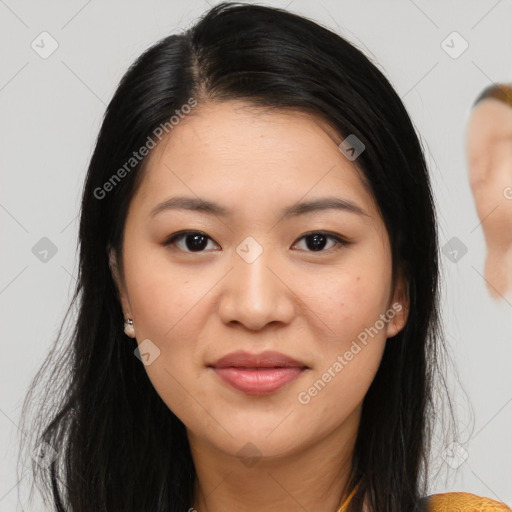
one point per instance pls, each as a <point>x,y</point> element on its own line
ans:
<point>128,328</point>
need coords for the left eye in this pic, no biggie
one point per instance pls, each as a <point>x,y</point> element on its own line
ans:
<point>317,241</point>
<point>196,241</point>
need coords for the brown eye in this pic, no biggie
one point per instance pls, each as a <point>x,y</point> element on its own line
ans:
<point>191,241</point>
<point>317,240</point>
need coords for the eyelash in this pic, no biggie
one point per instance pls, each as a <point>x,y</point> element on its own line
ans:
<point>339,240</point>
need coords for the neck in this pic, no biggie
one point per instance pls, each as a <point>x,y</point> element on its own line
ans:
<point>311,479</point>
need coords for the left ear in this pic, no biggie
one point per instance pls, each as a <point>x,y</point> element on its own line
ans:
<point>398,307</point>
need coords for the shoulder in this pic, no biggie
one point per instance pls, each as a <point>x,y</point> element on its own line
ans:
<point>463,502</point>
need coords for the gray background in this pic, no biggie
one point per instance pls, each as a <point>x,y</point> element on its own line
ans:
<point>50,113</point>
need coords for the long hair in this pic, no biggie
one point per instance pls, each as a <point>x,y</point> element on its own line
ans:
<point>117,445</point>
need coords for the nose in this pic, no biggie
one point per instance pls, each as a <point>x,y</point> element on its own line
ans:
<point>256,293</point>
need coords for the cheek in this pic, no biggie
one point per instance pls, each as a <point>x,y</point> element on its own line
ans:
<point>355,341</point>
<point>343,374</point>
<point>340,387</point>
<point>360,334</point>
<point>170,308</point>
<point>350,307</point>
<point>351,303</point>
<point>166,308</point>
<point>162,295</point>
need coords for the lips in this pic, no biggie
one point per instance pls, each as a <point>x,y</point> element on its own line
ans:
<point>257,374</point>
<point>267,359</point>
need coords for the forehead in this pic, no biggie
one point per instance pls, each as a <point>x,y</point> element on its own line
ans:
<point>236,150</point>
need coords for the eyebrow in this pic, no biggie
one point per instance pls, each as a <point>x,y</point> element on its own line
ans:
<point>211,208</point>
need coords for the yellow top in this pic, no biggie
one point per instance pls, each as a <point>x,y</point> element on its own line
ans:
<point>344,504</point>
<point>464,501</point>
<point>450,502</point>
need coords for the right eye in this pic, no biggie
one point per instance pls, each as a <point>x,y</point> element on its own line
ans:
<point>194,241</point>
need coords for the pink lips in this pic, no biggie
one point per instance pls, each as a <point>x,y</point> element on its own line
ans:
<point>257,374</point>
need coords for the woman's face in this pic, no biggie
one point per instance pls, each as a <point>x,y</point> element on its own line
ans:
<point>258,279</point>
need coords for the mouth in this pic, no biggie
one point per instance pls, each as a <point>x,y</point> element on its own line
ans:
<point>258,374</point>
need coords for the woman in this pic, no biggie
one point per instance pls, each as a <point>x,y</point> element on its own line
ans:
<point>258,288</point>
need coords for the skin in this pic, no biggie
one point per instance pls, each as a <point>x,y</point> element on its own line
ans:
<point>489,158</point>
<point>198,306</point>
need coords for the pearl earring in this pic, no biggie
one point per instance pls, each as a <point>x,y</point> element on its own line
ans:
<point>128,328</point>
